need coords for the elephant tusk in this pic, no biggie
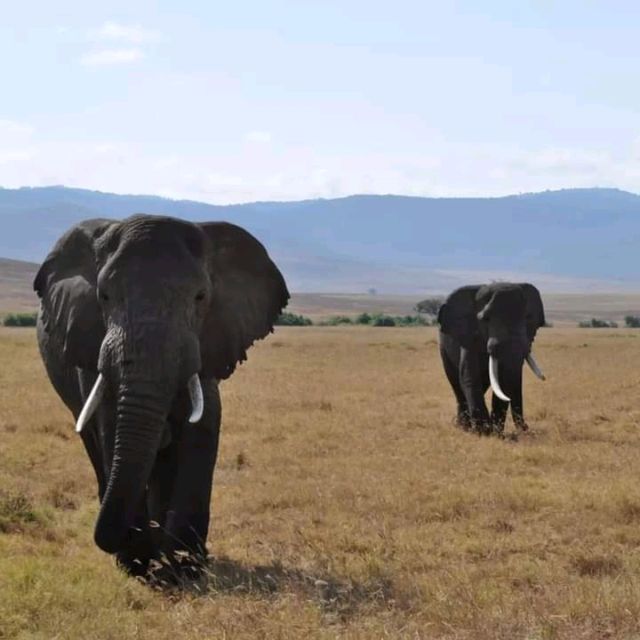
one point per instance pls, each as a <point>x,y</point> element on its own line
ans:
<point>197,399</point>
<point>531,361</point>
<point>493,379</point>
<point>90,406</point>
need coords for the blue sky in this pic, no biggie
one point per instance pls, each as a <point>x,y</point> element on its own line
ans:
<point>256,100</point>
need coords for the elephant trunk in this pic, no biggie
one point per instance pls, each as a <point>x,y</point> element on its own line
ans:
<point>141,416</point>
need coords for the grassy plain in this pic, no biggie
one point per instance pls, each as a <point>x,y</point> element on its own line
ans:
<point>561,309</point>
<point>346,505</point>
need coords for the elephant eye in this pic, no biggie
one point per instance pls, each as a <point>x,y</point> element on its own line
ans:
<point>200,296</point>
<point>103,296</point>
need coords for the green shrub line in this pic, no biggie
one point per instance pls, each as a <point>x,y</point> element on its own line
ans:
<point>287,319</point>
<point>292,320</point>
<point>595,323</point>
<point>20,320</point>
<point>363,319</point>
<point>633,322</point>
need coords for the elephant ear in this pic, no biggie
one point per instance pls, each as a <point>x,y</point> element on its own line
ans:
<point>66,286</point>
<point>249,292</point>
<point>534,310</point>
<point>457,316</point>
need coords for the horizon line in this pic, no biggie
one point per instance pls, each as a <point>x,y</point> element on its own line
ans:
<point>320,198</point>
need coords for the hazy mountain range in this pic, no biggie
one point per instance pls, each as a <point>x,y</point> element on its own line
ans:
<point>571,240</point>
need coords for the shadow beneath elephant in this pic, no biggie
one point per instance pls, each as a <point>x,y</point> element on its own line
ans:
<point>341,598</point>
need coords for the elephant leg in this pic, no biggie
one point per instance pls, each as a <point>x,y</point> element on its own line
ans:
<point>498,413</point>
<point>138,549</point>
<point>517,405</point>
<point>472,382</point>
<point>181,485</point>
<point>160,489</point>
<point>451,363</point>
<point>511,379</point>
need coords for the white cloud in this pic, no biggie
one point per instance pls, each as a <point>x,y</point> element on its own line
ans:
<point>118,44</point>
<point>106,147</point>
<point>222,180</point>
<point>261,137</point>
<point>567,161</point>
<point>14,156</point>
<point>107,57</point>
<point>241,174</point>
<point>13,128</point>
<point>132,34</point>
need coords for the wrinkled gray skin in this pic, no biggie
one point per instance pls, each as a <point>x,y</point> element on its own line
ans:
<point>148,302</point>
<point>499,319</point>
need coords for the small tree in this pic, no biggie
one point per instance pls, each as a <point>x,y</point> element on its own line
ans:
<point>429,306</point>
<point>363,318</point>
<point>632,322</point>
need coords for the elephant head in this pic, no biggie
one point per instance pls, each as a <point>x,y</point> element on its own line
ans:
<point>499,320</point>
<point>152,305</point>
<point>509,316</point>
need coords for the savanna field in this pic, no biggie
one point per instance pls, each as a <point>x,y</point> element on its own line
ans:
<point>347,505</point>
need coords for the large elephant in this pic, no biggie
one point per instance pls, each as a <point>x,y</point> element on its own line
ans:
<point>139,320</point>
<point>486,333</point>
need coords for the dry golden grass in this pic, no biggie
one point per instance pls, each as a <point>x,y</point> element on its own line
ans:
<point>347,505</point>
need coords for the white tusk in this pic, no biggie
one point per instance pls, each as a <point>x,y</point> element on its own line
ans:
<point>493,378</point>
<point>531,361</point>
<point>197,399</point>
<point>91,404</point>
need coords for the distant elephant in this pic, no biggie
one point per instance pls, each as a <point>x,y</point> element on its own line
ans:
<point>486,333</point>
<point>138,322</point>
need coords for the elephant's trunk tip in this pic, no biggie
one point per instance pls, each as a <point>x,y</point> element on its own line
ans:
<point>106,540</point>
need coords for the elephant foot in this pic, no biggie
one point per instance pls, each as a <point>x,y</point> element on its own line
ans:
<point>136,554</point>
<point>133,566</point>
<point>463,422</point>
<point>522,425</point>
<point>181,571</point>
<point>498,429</point>
<point>482,428</point>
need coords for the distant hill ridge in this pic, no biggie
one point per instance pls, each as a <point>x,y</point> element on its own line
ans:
<point>573,239</point>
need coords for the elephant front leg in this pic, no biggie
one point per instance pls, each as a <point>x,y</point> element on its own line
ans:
<point>450,354</point>
<point>517,410</point>
<point>138,550</point>
<point>463,418</point>
<point>472,383</point>
<point>511,378</point>
<point>498,413</point>
<point>181,489</point>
